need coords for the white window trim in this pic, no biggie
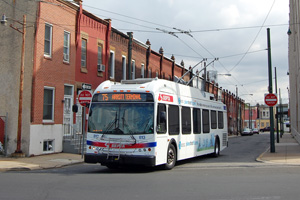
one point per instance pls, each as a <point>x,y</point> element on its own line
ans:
<point>85,61</point>
<point>133,69</point>
<point>124,67</point>
<point>50,45</point>
<point>112,65</point>
<point>66,58</point>
<point>48,151</point>
<point>53,100</point>
<point>142,70</point>
<point>99,59</point>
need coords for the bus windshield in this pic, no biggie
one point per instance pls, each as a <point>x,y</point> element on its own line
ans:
<point>121,118</point>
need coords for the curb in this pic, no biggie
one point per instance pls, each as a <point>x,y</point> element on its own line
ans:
<point>260,157</point>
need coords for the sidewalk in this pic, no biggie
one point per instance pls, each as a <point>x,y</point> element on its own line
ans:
<point>39,162</point>
<point>286,152</point>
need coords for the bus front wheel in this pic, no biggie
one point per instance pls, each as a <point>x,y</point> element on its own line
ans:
<point>171,157</point>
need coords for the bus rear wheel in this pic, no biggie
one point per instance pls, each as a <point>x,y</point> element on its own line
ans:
<point>217,148</point>
<point>171,157</point>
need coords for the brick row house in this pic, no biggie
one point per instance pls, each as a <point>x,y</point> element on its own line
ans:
<point>75,50</point>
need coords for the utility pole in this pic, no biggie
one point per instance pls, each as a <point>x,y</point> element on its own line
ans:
<point>237,111</point>
<point>277,127</point>
<point>272,142</point>
<point>130,34</point>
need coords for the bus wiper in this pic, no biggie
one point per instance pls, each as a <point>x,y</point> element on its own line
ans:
<point>110,125</point>
<point>148,125</point>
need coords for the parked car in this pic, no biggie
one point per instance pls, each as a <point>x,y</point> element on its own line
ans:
<point>268,128</point>
<point>247,131</point>
<point>255,131</point>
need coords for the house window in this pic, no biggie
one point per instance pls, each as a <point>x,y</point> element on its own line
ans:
<point>48,40</point>
<point>133,69</point>
<point>66,54</point>
<point>124,67</point>
<point>112,64</point>
<point>99,61</point>
<point>142,71</point>
<point>48,146</point>
<point>48,107</point>
<point>83,52</point>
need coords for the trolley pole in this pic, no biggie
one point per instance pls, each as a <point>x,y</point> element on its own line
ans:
<point>272,142</point>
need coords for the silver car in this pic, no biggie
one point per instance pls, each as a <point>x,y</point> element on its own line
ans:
<point>247,131</point>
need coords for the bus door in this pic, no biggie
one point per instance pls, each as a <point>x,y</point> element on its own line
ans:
<point>162,136</point>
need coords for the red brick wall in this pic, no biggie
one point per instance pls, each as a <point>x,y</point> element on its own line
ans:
<point>154,63</point>
<point>2,125</point>
<point>139,55</point>
<point>53,72</point>
<point>119,44</point>
<point>167,68</point>
<point>94,31</point>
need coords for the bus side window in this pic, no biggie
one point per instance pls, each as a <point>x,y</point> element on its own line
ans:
<point>205,120</point>
<point>196,121</point>
<point>186,120</point>
<point>161,119</point>
<point>220,120</point>
<point>213,115</point>
<point>173,119</point>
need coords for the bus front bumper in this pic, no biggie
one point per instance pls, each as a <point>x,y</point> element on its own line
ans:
<point>146,160</point>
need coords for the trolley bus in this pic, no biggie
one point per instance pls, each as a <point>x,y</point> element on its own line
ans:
<point>153,122</point>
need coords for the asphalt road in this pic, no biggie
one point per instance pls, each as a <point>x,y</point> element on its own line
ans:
<point>233,175</point>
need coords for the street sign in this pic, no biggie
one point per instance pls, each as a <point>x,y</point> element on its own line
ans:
<point>85,97</point>
<point>271,99</point>
<point>86,86</point>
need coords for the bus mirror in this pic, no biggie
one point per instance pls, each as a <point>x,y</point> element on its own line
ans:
<point>75,108</point>
<point>162,117</point>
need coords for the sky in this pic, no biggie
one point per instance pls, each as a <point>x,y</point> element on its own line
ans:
<point>234,31</point>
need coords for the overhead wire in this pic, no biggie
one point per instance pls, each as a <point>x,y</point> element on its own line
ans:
<point>154,30</point>
<point>244,55</point>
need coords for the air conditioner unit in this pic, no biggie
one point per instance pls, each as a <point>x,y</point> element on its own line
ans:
<point>66,57</point>
<point>101,67</point>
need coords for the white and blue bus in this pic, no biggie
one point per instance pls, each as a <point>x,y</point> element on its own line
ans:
<point>153,122</point>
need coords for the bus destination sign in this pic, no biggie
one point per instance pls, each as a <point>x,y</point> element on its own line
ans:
<point>115,97</point>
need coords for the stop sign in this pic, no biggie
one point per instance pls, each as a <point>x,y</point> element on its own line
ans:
<point>270,99</point>
<point>85,97</point>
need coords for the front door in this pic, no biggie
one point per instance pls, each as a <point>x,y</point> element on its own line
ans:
<point>68,114</point>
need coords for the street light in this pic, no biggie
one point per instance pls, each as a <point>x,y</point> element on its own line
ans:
<point>245,94</point>
<point>23,32</point>
<point>225,74</point>
<point>4,20</point>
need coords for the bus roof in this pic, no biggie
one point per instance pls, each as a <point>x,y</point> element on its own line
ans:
<point>154,85</point>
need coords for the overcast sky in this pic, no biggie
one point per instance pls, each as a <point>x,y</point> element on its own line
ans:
<point>235,31</point>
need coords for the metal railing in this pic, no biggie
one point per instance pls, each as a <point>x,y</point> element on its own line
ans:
<point>74,135</point>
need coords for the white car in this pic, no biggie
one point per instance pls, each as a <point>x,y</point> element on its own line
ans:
<point>247,131</point>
